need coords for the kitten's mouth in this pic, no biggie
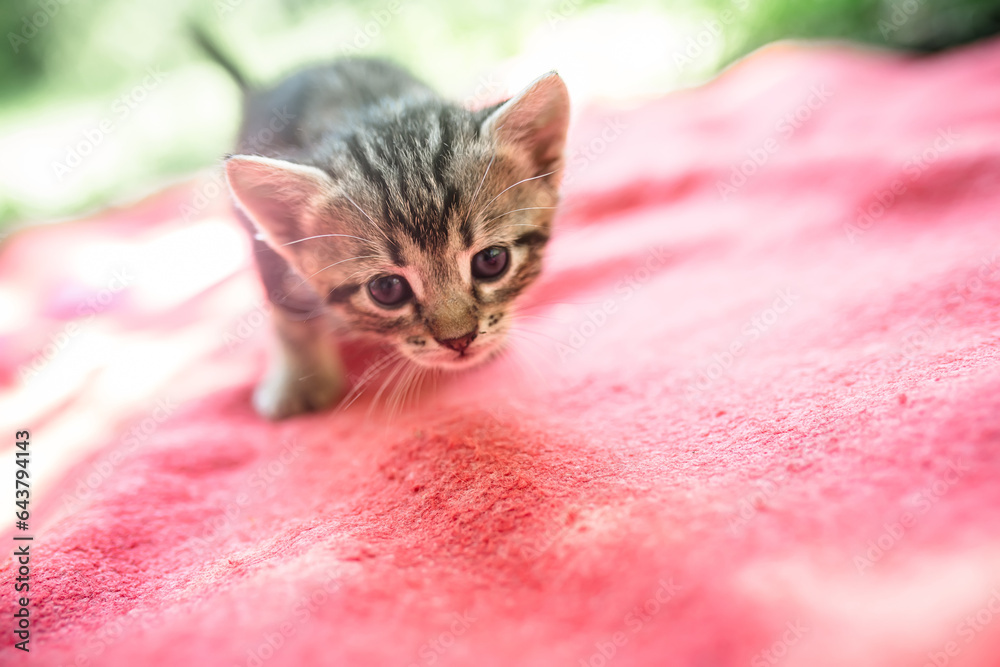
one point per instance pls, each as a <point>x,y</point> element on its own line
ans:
<point>463,359</point>
<point>456,360</point>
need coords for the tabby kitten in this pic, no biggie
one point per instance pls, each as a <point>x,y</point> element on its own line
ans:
<point>402,216</point>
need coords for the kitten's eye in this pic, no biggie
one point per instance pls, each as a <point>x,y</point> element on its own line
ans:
<point>490,263</point>
<point>390,291</point>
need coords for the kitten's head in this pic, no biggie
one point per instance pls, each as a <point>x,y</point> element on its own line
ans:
<point>422,223</point>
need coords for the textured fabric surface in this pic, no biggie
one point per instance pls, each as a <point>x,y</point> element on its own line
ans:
<point>751,419</point>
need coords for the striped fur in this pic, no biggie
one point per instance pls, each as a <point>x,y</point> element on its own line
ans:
<point>375,175</point>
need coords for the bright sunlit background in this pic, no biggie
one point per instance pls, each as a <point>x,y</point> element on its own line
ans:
<point>104,100</point>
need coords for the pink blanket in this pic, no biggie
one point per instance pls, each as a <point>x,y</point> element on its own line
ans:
<point>752,418</point>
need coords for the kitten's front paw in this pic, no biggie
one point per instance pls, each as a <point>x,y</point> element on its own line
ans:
<point>285,394</point>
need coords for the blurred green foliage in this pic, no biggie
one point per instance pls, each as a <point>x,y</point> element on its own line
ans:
<point>66,59</point>
<point>914,25</point>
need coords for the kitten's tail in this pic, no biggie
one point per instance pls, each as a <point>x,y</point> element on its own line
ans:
<point>205,42</point>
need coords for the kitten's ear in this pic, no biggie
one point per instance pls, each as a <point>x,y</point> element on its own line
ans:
<point>277,195</point>
<point>535,121</point>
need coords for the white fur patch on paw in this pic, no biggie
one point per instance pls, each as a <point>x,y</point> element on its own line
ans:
<point>284,393</point>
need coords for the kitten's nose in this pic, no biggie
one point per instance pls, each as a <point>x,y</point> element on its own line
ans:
<point>459,344</point>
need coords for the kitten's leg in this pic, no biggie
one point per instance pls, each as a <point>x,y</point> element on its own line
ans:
<point>304,372</point>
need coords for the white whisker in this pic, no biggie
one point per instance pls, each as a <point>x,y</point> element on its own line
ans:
<point>524,330</point>
<point>539,317</point>
<point>330,266</point>
<point>529,208</point>
<point>392,403</point>
<point>304,281</point>
<point>481,181</point>
<point>346,279</point>
<point>406,384</point>
<point>418,382</point>
<point>522,363</point>
<point>533,178</point>
<point>542,304</point>
<point>400,364</point>
<point>366,377</point>
<point>364,213</point>
<point>323,236</point>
